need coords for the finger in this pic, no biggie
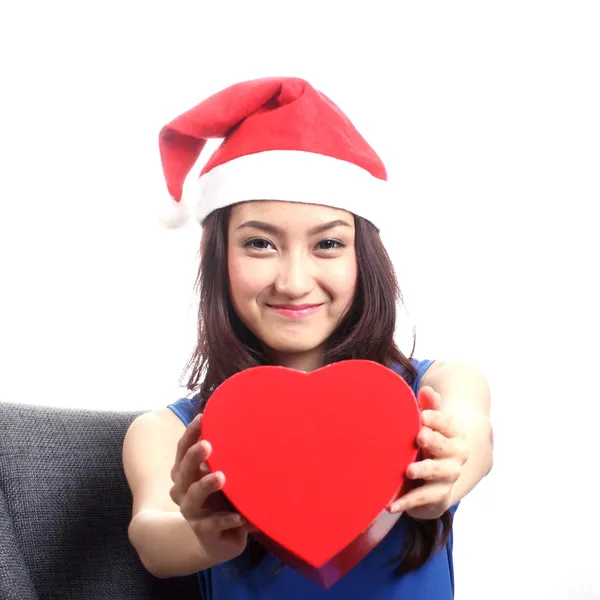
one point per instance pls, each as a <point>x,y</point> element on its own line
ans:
<point>218,502</point>
<point>446,469</point>
<point>438,421</point>
<point>437,445</point>
<point>238,537</point>
<point>193,504</point>
<point>190,437</point>
<point>187,473</point>
<point>428,398</point>
<point>219,522</point>
<point>189,470</point>
<point>428,494</point>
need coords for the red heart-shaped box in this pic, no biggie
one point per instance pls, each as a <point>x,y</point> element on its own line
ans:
<point>312,460</point>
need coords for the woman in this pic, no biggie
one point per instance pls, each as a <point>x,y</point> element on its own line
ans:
<point>293,273</point>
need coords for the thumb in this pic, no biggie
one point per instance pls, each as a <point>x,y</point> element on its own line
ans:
<point>428,399</point>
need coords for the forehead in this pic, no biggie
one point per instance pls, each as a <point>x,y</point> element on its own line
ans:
<point>287,214</point>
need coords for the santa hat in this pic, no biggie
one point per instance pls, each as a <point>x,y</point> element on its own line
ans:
<point>283,140</point>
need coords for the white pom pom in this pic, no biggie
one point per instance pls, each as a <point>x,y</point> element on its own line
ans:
<point>171,214</point>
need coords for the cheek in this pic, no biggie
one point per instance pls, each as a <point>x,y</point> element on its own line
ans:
<point>342,279</point>
<point>246,279</point>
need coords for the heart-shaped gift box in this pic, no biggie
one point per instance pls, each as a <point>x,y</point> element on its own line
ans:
<point>312,460</point>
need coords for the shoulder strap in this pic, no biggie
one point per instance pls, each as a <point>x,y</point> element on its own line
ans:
<point>185,408</point>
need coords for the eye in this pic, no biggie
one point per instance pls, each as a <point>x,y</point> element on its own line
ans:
<point>257,244</point>
<point>329,244</point>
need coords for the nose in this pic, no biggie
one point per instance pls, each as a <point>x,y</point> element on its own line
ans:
<point>295,277</point>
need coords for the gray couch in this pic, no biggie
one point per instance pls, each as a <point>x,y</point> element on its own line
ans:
<point>64,510</point>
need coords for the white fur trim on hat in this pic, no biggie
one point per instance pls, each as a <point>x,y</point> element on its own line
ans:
<point>287,175</point>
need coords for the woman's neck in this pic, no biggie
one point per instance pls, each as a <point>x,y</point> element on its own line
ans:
<point>300,361</point>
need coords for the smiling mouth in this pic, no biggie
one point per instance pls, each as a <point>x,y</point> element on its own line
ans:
<point>294,310</point>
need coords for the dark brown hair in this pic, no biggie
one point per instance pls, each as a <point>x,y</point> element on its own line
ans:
<point>226,346</point>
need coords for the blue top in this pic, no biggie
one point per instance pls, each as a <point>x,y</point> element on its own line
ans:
<point>372,578</point>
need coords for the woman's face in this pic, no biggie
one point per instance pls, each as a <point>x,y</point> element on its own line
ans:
<point>292,273</point>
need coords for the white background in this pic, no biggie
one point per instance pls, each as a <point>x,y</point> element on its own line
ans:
<point>487,117</point>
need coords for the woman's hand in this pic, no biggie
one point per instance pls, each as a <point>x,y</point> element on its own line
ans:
<point>444,452</point>
<point>221,532</point>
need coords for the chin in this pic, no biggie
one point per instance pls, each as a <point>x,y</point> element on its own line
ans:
<point>293,346</point>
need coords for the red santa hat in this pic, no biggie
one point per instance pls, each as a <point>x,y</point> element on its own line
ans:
<point>283,140</point>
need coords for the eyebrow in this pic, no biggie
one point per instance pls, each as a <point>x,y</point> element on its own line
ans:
<point>268,227</point>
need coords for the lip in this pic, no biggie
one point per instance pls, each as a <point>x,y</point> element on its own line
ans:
<point>295,311</point>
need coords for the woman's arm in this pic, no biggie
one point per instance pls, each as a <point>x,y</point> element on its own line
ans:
<point>466,399</point>
<point>456,440</point>
<point>165,542</point>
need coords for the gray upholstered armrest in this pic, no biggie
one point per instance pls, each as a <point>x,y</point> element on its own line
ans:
<point>65,507</point>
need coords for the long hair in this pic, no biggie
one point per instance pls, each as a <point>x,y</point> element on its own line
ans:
<point>226,346</point>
